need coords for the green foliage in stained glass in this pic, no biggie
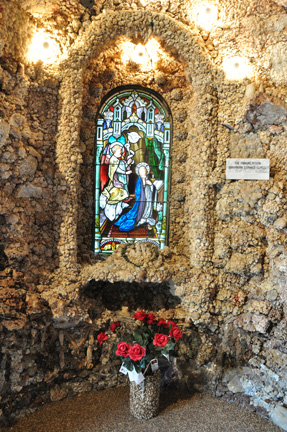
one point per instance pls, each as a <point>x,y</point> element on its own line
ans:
<point>132,170</point>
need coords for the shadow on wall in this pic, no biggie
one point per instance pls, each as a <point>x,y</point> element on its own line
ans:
<point>113,296</point>
<point>3,257</point>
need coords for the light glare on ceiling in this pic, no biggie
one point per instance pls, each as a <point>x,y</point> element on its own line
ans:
<point>144,55</point>
<point>236,68</point>
<point>205,15</point>
<point>43,47</point>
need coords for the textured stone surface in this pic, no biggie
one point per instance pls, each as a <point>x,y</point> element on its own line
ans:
<point>223,274</point>
<point>144,398</point>
<point>109,411</point>
<point>279,416</point>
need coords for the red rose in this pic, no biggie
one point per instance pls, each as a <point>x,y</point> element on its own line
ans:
<point>123,349</point>
<point>115,325</point>
<point>136,352</point>
<point>160,340</point>
<point>150,318</point>
<point>102,337</point>
<point>171,323</point>
<point>162,323</point>
<point>140,315</point>
<point>175,332</point>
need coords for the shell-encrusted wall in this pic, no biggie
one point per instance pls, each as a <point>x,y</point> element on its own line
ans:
<point>223,273</point>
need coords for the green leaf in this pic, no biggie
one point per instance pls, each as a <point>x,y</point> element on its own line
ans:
<point>137,367</point>
<point>149,357</point>
<point>138,337</point>
<point>169,345</point>
<point>128,364</point>
<point>139,340</point>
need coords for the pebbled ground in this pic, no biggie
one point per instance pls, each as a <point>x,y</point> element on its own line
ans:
<point>108,411</point>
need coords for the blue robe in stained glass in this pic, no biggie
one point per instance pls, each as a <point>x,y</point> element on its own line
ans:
<point>128,221</point>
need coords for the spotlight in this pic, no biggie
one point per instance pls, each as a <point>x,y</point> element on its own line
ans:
<point>43,47</point>
<point>140,54</point>
<point>236,68</point>
<point>144,55</point>
<point>205,15</point>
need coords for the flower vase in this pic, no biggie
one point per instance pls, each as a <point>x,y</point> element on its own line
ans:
<point>144,397</point>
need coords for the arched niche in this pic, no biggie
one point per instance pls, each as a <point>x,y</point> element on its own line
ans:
<point>200,155</point>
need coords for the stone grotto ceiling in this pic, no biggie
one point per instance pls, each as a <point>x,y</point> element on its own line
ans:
<point>46,8</point>
<point>243,39</point>
<point>231,8</point>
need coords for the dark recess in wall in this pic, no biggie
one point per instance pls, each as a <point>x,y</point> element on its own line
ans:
<point>113,296</point>
<point>3,258</point>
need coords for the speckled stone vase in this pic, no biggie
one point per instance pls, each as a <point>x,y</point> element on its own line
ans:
<point>144,398</point>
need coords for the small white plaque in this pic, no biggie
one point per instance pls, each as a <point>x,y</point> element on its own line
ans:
<point>136,377</point>
<point>247,169</point>
<point>154,365</point>
<point>123,370</point>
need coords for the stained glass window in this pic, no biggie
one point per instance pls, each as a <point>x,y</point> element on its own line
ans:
<point>132,170</point>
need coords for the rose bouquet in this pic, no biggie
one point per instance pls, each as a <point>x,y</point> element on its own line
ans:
<point>151,339</point>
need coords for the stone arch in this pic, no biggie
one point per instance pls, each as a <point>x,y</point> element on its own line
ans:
<point>106,28</point>
<point>191,50</point>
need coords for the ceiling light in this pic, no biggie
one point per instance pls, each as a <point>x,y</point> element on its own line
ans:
<point>43,47</point>
<point>144,55</point>
<point>236,68</point>
<point>205,15</point>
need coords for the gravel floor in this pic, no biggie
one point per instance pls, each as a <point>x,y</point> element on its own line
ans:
<point>108,411</point>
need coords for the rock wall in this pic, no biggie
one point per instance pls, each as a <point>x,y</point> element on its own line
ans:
<point>223,275</point>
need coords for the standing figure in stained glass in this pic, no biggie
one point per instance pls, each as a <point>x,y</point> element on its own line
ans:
<point>131,201</point>
<point>105,158</point>
<point>113,196</point>
<point>146,201</point>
